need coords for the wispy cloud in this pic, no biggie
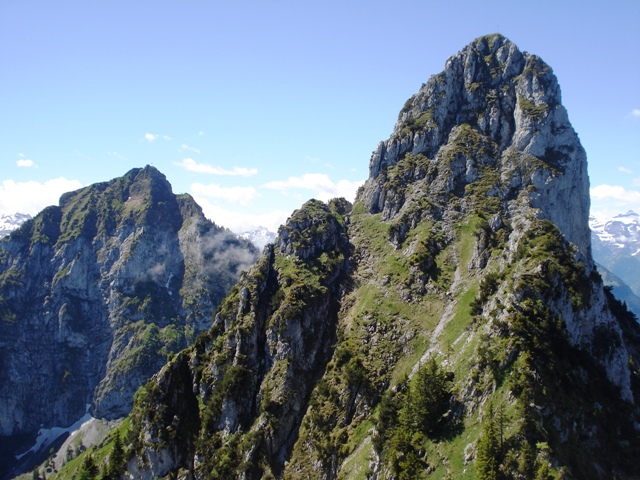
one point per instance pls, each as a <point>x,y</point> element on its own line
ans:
<point>238,195</point>
<point>614,199</point>
<point>184,146</point>
<point>240,221</point>
<point>117,155</point>
<point>615,192</point>
<point>192,166</point>
<point>25,163</point>
<point>152,137</point>
<point>31,197</point>
<point>624,170</point>
<point>635,113</point>
<point>323,187</point>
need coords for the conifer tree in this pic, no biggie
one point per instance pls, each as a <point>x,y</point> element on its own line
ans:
<point>117,458</point>
<point>88,469</point>
<point>488,448</point>
<point>104,472</point>
<point>428,399</point>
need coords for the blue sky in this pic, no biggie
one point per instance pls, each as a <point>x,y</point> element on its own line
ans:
<point>254,107</point>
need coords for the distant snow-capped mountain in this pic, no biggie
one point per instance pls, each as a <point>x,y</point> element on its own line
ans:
<point>9,223</point>
<point>620,232</point>
<point>616,246</point>
<point>259,236</point>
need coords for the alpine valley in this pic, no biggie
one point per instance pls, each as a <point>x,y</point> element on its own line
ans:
<point>449,324</point>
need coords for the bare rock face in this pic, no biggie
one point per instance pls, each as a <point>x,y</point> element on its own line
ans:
<point>490,131</point>
<point>494,105</point>
<point>96,292</point>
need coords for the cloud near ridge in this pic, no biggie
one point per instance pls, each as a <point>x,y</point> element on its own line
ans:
<point>191,165</point>
<point>239,222</point>
<point>325,189</point>
<point>614,199</point>
<point>31,197</point>
<point>238,195</point>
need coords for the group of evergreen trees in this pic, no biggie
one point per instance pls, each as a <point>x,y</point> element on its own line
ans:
<point>407,418</point>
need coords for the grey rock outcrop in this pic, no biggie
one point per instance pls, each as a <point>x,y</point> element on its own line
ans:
<point>511,102</point>
<point>96,292</point>
<point>491,131</point>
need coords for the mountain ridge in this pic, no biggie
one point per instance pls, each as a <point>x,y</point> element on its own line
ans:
<point>97,291</point>
<point>463,269</point>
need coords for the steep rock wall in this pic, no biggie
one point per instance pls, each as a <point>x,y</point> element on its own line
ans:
<point>96,292</point>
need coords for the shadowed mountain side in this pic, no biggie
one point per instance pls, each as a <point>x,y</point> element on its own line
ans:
<point>95,294</point>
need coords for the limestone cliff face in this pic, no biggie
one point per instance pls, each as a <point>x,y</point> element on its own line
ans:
<point>493,105</point>
<point>96,292</point>
<point>490,131</point>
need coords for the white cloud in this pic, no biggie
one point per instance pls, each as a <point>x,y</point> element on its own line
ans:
<point>184,146</point>
<point>239,221</point>
<point>25,163</point>
<point>635,112</point>
<point>239,195</point>
<point>167,137</point>
<point>191,165</point>
<point>615,192</point>
<point>624,170</point>
<point>150,137</point>
<point>117,155</point>
<point>323,187</point>
<point>614,199</point>
<point>31,197</point>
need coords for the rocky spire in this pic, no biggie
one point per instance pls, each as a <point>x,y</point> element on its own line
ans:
<point>510,102</point>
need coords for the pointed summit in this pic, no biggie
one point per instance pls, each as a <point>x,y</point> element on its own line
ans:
<point>492,121</point>
<point>127,272</point>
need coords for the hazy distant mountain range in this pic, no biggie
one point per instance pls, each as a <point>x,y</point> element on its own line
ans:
<point>9,223</point>
<point>620,233</point>
<point>616,249</point>
<point>259,237</point>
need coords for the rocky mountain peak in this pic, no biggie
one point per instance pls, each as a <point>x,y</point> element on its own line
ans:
<point>97,291</point>
<point>449,323</point>
<point>313,229</point>
<point>491,120</point>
